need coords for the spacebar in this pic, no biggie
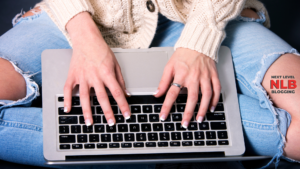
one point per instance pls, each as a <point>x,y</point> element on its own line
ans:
<point>145,99</point>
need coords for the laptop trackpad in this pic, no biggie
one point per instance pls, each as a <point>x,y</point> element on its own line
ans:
<point>142,70</point>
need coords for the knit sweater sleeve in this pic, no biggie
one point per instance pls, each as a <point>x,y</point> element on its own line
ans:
<point>65,10</point>
<point>204,20</point>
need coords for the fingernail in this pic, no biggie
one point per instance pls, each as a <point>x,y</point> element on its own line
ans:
<point>200,119</point>
<point>111,122</point>
<point>65,109</point>
<point>127,115</point>
<point>185,124</point>
<point>128,93</point>
<point>156,92</point>
<point>212,109</point>
<point>162,117</point>
<point>88,122</point>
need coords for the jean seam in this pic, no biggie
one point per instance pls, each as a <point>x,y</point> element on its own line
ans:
<point>259,126</point>
<point>241,79</point>
<point>20,125</point>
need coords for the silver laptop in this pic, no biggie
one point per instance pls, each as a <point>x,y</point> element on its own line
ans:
<point>143,138</point>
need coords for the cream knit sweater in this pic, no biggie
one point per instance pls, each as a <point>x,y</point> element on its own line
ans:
<point>129,23</point>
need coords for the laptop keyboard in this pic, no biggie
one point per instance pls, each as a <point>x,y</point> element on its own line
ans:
<point>143,130</point>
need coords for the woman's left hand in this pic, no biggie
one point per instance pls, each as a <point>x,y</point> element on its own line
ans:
<point>192,70</point>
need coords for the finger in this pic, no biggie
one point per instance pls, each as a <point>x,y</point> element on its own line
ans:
<point>84,93</point>
<point>169,101</point>
<point>205,100</point>
<point>119,96</point>
<point>104,103</point>
<point>68,95</point>
<point>165,81</point>
<point>121,80</point>
<point>216,93</point>
<point>192,99</point>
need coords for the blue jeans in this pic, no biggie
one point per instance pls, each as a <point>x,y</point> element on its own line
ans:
<point>254,48</point>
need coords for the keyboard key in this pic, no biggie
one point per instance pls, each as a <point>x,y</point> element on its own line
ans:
<point>199,143</point>
<point>67,138</point>
<point>64,146</point>
<point>119,118</point>
<point>74,111</point>
<point>75,101</point>
<point>76,129</point>
<point>180,107</point>
<point>99,110</point>
<point>122,128</point>
<point>223,142</point>
<point>110,129</point>
<point>64,129</point>
<point>61,99</point>
<point>176,117</point>
<point>101,145</point>
<point>145,99</point>
<point>192,126</point>
<point>142,118</point>
<point>164,136</point>
<point>150,144</point>
<point>104,120</point>
<point>138,144</point>
<point>134,127</point>
<point>77,146</point>
<point>81,138</point>
<point>175,143</point>
<point>99,128</point>
<point>89,146</point>
<point>169,127</point>
<point>146,127</point>
<point>135,109</point>
<point>218,125</point>
<point>222,135</point>
<point>157,127</point>
<point>210,135</point>
<point>93,138</point>
<point>176,136</point>
<point>81,120</point>
<point>97,119</point>
<point>114,145</point>
<point>219,107</point>
<point>147,109</point>
<point>172,109</point>
<point>105,138</point>
<point>126,145</point>
<point>152,136</point>
<point>215,116</point>
<point>117,137</point>
<point>187,143</point>
<point>179,127</point>
<point>115,109</point>
<point>157,108</point>
<point>68,120</point>
<point>181,98</point>
<point>132,119</point>
<point>95,101</point>
<point>211,143</point>
<point>112,101</point>
<point>167,119</point>
<point>196,108</point>
<point>141,136</point>
<point>221,98</point>
<point>204,126</point>
<point>163,144</point>
<point>129,137</point>
<point>187,135</point>
<point>199,135</point>
<point>154,118</point>
<point>87,129</point>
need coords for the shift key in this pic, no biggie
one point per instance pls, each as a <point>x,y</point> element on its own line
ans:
<point>215,116</point>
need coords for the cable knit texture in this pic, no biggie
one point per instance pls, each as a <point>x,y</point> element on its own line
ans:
<point>129,24</point>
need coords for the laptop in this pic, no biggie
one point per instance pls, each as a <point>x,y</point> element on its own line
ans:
<point>144,138</point>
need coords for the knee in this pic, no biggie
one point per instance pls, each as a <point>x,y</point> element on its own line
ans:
<point>32,12</point>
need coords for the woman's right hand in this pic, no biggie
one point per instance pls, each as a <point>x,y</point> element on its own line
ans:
<point>93,64</point>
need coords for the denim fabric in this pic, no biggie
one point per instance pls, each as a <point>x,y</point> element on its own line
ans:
<point>254,48</point>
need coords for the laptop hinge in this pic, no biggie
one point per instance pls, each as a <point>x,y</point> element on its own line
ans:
<point>144,156</point>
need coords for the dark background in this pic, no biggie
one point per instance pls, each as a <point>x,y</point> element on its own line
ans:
<point>284,14</point>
